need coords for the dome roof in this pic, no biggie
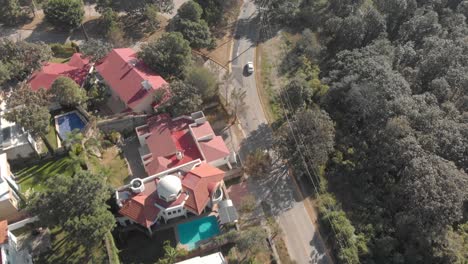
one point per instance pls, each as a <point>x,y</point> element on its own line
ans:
<point>169,187</point>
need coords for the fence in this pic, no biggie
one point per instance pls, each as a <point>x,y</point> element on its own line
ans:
<point>121,124</point>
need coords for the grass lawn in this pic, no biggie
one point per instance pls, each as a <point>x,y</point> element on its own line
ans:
<point>113,165</point>
<point>139,248</point>
<point>35,176</point>
<point>64,250</point>
<point>52,134</point>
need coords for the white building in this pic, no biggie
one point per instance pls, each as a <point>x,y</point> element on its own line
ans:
<point>10,252</point>
<point>9,198</point>
<point>14,141</point>
<point>215,258</point>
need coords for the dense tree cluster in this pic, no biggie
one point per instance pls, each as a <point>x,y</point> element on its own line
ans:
<point>67,92</point>
<point>188,21</point>
<point>21,58</point>
<point>65,14</point>
<point>395,72</point>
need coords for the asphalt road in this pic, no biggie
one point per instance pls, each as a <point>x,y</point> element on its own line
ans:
<point>278,192</point>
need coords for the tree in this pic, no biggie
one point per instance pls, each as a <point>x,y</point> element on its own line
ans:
<point>184,99</point>
<point>169,56</point>
<point>237,102</point>
<point>29,109</point>
<point>10,11</point>
<point>171,253</point>
<point>67,92</point>
<point>194,29</point>
<point>136,7</point>
<point>109,20</point>
<point>203,80</point>
<point>77,204</point>
<point>151,16</point>
<point>66,14</point>
<point>252,240</point>
<point>95,49</point>
<point>19,59</point>
<point>258,163</point>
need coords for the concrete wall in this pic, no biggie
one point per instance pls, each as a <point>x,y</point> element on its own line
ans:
<point>122,123</point>
<point>9,211</point>
<point>21,151</point>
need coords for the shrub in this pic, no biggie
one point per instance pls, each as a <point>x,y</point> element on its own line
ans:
<point>62,50</point>
<point>258,163</point>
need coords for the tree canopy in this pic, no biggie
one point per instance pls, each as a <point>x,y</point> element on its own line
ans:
<point>78,204</point>
<point>66,14</point>
<point>21,58</point>
<point>95,49</point>
<point>185,98</point>
<point>29,109</point>
<point>169,56</point>
<point>392,79</point>
<point>67,92</point>
<point>203,80</point>
<point>188,21</point>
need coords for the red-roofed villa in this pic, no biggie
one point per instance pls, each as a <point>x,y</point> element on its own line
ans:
<point>190,188</point>
<point>169,142</point>
<point>132,85</point>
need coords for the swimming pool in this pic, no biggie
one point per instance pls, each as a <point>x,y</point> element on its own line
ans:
<point>191,233</point>
<point>68,122</point>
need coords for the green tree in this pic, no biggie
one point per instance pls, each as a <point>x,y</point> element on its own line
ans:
<point>203,80</point>
<point>10,11</point>
<point>77,204</point>
<point>194,29</point>
<point>109,20</point>
<point>169,56</point>
<point>67,92</point>
<point>137,7</point>
<point>95,49</point>
<point>66,14</point>
<point>258,163</point>
<point>19,59</point>
<point>251,240</point>
<point>171,253</point>
<point>151,17</point>
<point>29,109</point>
<point>184,99</point>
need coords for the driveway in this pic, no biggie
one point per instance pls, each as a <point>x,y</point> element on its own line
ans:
<point>277,190</point>
<point>130,151</point>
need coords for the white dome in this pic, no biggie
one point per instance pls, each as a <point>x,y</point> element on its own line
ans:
<point>169,187</point>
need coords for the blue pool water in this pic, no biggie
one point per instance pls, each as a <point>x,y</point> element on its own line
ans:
<point>192,232</point>
<point>68,122</point>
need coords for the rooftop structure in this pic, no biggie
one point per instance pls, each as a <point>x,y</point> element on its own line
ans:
<point>132,84</point>
<point>167,143</point>
<point>10,252</point>
<point>189,188</point>
<point>77,68</point>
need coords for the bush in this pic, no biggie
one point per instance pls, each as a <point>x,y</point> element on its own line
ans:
<point>62,50</point>
<point>66,14</point>
<point>248,204</point>
<point>258,163</point>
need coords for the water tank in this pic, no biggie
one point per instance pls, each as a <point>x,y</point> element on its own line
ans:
<point>137,186</point>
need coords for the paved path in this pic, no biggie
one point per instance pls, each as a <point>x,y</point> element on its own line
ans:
<point>277,191</point>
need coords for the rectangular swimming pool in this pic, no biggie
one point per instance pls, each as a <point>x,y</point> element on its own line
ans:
<point>68,122</point>
<point>191,233</point>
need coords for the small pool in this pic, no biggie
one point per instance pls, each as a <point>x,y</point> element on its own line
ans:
<point>192,232</point>
<point>68,122</point>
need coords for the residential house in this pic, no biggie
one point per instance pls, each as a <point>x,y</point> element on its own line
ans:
<point>169,142</point>
<point>77,69</point>
<point>9,190</point>
<point>10,252</point>
<point>133,86</point>
<point>188,189</point>
<point>14,140</point>
<point>215,258</point>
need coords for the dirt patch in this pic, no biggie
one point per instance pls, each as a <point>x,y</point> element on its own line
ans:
<point>113,165</point>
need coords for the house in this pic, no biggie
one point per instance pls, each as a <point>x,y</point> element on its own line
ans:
<point>9,190</point>
<point>77,68</point>
<point>215,258</point>
<point>188,189</point>
<point>14,140</point>
<point>166,143</point>
<point>133,86</point>
<point>10,252</point>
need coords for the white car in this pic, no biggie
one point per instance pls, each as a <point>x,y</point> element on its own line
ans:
<point>250,67</point>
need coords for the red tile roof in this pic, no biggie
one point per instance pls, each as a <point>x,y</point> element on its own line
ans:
<point>124,73</point>
<point>198,183</point>
<point>141,209</point>
<point>169,136</point>
<point>76,69</point>
<point>3,232</point>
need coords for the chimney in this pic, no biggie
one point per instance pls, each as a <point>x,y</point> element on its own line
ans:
<point>179,155</point>
<point>146,85</point>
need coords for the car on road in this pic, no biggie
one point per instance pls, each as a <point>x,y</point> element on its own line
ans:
<point>249,67</point>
